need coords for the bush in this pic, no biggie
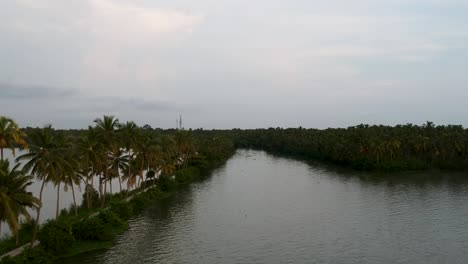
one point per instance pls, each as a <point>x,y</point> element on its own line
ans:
<point>111,219</point>
<point>56,236</point>
<point>92,228</point>
<point>166,183</point>
<point>139,202</point>
<point>123,210</point>
<point>187,175</point>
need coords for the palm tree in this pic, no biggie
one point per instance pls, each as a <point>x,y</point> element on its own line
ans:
<point>90,150</point>
<point>72,177</point>
<point>10,135</point>
<point>129,137</point>
<point>119,163</point>
<point>14,198</point>
<point>106,127</point>
<point>45,160</point>
<point>146,149</point>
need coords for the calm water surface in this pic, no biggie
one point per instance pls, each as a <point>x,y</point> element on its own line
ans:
<point>263,209</point>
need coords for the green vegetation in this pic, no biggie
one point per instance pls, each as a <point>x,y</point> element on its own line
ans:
<point>152,163</point>
<point>364,147</point>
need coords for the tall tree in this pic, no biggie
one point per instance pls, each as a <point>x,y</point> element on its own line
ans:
<point>90,151</point>
<point>129,136</point>
<point>107,128</point>
<point>45,160</point>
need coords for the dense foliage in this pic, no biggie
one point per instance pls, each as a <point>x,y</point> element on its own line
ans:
<point>364,147</point>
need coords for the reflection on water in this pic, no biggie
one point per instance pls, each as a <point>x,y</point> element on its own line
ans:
<point>264,209</point>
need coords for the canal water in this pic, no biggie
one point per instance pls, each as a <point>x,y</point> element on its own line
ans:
<point>259,208</point>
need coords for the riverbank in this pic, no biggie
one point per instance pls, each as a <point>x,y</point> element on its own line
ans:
<point>96,229</point>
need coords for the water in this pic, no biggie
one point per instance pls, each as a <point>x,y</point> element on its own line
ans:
<point>264,209</point>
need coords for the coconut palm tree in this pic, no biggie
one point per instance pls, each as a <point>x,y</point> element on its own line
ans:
<point>129,136</point>
<point>10,135</point>
<point>14,198</point>
<point>72,176</point>
<point>90,150</point>
<point>119,163</point>
<point>107,128</point>
<point>45,160</point>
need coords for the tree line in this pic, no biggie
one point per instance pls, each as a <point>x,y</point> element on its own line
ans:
<point>107,150</point>
<point>366,147</point>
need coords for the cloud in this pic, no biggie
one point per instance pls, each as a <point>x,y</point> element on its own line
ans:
<point>127,22</point>
<point>27,91</point>
<point>110,44</point>
<point>142,57</point>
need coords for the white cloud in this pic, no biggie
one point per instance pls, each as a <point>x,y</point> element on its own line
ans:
<point>128,22</point>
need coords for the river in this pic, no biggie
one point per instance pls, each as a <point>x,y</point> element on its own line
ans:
<point>260,208</point>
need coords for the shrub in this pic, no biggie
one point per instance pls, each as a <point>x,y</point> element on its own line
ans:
<point>56,236</point>
<point>111,219</point>
<point>139,203</point>
<point>187,175</point>
<point>123,210</point>
<point>166,183</point>
<point>92,228</point>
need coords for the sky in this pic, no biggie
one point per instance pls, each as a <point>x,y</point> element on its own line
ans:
<point>234,63</point>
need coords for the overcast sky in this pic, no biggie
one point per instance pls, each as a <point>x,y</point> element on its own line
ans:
<point>234,63</point>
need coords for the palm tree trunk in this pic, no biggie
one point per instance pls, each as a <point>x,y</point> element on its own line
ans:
<point>110,186</point>
<point>17,234</point>
<point>58,201</point>
<point>1,153</point>
<point>103,198</point>
<point>89,182</point>
<point>129,176</point>
<point>74,200</point>
<point>36,225</point>
<point>120,183</point>
<point>141,176</point>
<point>91,179</point>
<point>100,191</point>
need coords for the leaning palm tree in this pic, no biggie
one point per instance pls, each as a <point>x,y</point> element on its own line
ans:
<point>107,128</point>
<point>10,135</point>
<point>14,198</point>
<point>45,160</point>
